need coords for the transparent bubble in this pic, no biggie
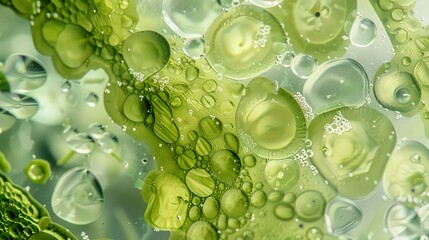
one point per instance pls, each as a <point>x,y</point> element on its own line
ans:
<point>78,197</point>
<point>363,32</point>
<point>7,120</point>
<point>91,99</point>
<point>66,86</point>
<point>303,65</point>
<point>24,73</point>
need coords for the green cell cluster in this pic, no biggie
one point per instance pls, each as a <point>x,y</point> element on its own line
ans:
<point>22,217</point>
<point>235,158</point>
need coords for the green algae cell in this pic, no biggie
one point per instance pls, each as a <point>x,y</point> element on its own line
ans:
<point>405,177</point>
<point>317,27</point>
<point>200,182</point>
<point>351,147</point>
<point>168,200</point>
<point>397,91</point>
<point>270,123</point>
<point>282,174</point>
<point>225,165</point>
<point>146,52</point>
<point>38,171</point>
<point>22,217</point>
<point>243,42</point>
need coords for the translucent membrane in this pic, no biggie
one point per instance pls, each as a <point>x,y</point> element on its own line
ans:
<point>351,148</point>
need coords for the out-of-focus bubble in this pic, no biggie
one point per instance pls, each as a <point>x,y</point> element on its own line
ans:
<point>24,73</point>
<point>81,143</point>
<point>20,106</point>
<point>7,120</point>
<point>78,197</point>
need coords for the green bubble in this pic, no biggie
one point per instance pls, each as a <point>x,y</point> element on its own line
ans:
<point>200,182</point>
<point>194,213</point>
<point>209,127</point>
<point>243,42</point>
<point>187,160</point>
<point>232,142</point>
<point>284,211</point>
<point>282,174</point>
<point>201,230</point>
<point>209,86</point>
<point>234,203</point>
<point>152,46</point>
<point>271,124</point>
<point>211,208</point>
<point>4,85</point>
<point>203,147</point>
<point>249,161</point>
<point>38,171</point>
<point>164,128</point>
<point>225,165</point>
<point>310,205</point>
<point>351,148</point>
<point>258,199</point>
<point>73,46</point>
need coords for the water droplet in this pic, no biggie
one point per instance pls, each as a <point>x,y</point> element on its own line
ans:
<point>78,197</point>
<point>363,32</point>
<point>20,106</point>
<point>234,203</point>
<point>194,48</point>
<point>91,99</point>
<point>81,143</point>
<point>303,65</point>
<point>66,86</point>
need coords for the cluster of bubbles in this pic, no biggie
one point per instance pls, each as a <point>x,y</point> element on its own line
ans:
<point>238,156</point>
